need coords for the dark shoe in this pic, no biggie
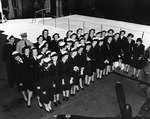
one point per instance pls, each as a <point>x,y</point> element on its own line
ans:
<point>29,106</point>
<point>82,88</point>
<point>87,85</point>
<point>92,81</point>
<point>55,103</point>
<point>59,102</point>
<point>64,98</point>
<point>78,90</point>
<point>67,98</point>
<point>51,110</point>
<point>133,75</point>
<point>136,78</point>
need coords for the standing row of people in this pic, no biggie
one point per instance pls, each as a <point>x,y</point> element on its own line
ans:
<point>55,65</point>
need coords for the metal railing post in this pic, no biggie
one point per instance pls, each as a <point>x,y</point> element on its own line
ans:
<point>83,27</point>
<point>101,27</point>
<point>68,24</point>
<point>55,22</point>
<point>142,35</point>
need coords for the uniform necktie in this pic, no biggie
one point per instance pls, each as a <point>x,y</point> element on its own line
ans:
<point>25,44</point>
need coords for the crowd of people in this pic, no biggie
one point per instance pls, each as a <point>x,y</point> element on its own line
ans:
<point>54,65</point>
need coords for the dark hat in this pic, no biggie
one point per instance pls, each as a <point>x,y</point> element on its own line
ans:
<point>98,32</point>
<point>92,30</point>
<point>139,40</point>
<point>79,29</point>
<point>103,31</point>
<point>130,34</point>
<point>122,31</point>
<point>55,34</point>
<point>110,30</point>
<point>26,47</point>
<point>10,37</point>
<point>23,35</point>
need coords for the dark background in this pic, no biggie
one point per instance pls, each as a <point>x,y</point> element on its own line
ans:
<point>136,11</point>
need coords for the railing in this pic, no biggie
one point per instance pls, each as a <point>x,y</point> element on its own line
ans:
<point>43,13</point>
<point>69,23</point>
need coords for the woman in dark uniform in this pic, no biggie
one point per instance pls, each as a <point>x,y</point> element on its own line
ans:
<point>54,43</point>
<point>115,50</point>
<point>93,56</point>
<point>38,86</point>
<point>85,36</point>
<point>81,60</point>
<point>88,68</point>
<point>68,35</point>
<point>128,49</point>
<point>39,42</point>
<point>34,68</point>
<point>46,85</point>
<point>108,55</point>
<point>55,77</point>
<point>91,35</point>
<point>7,51</point>
<point>65,75</point>
<point>19,73</point>
<point>99,59</point>
<point>29,81</point>
<point>45,34</point>
<point>137,61</point>
<point>75,71</point>
<point>122,39</point>
<point>79,33</point>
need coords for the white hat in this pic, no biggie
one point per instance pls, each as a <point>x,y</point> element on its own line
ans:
<point>39,56</point>
<point>61,44</point>
<point>64,52</point>
<point>15,52</point>
<point>48,52</point>
<point>53,54</point>
<point>43,42</point>
<point>46,60</point>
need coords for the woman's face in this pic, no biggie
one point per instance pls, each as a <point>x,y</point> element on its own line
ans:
<point>73,37</point>
<point>45,33</point>
<point>80,50</point>
<point>74,53</point>
<point>79,32</point>
<point>94,43</point>
<point>65,57</point>
<point>116,36</point>
<point>86,36</point>
<point>40,40</point>
<point>56,37</point>
<point>12,40</point>
<point>27,52</point>
<point>88,47</point>
<point>17,58</point>
<point>100,43</point>
<point>138,43</point>
<point>35,52</point>
<point>54,58</point>
<point>109,39</point>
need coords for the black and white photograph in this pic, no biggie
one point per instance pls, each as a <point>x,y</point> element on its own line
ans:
<point>74,59</point>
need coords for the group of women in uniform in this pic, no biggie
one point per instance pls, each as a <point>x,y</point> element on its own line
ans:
<point>64,66</point>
